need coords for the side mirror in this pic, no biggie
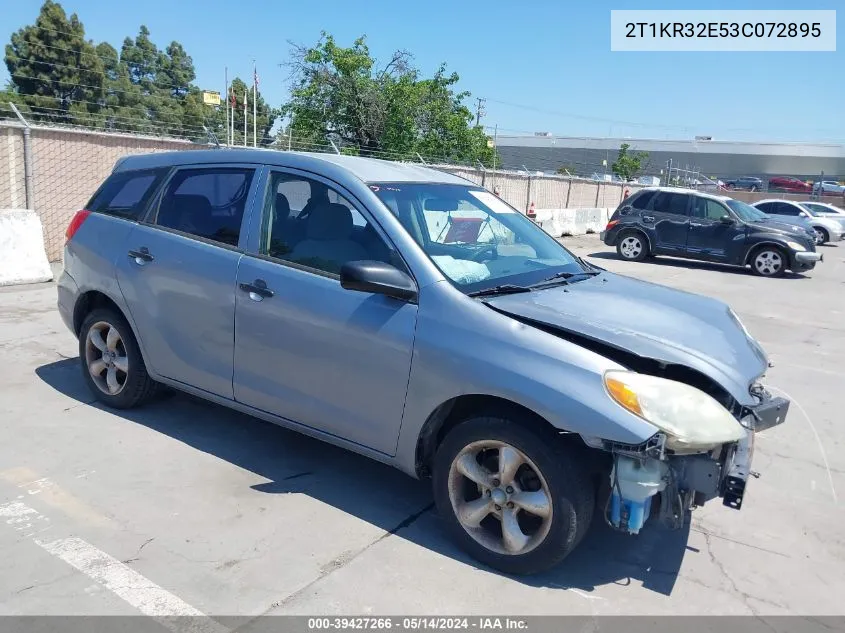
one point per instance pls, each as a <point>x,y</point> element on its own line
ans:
<point>378,278</point>
<point>804,214</point>
<point>726,219</point>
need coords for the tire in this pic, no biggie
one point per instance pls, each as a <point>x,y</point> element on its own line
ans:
<point>548,472</point>
<point>764,261</point>
<point>822,235</point>
<point>753,188</point>
<point>122,381</point>
<point>632,246</point>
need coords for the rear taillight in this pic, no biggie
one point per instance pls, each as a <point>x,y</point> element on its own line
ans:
<point>78,218</point>
<point>611,224</point>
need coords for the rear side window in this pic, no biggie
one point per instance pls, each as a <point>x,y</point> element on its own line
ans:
<point>207,203</point>
<point>126,194</point>
<point>666,202</point>
<point>642,200</point>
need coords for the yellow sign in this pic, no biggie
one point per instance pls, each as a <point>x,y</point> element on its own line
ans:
<point>210,97</point>
<point>490,142</point>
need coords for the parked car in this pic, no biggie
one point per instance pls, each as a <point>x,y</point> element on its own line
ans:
<point>789,184</point>
<point>744,183</point>
<point>698,225</point>
<point>333,295</point>
<point>829,187</point>
<point>824,208</point>
<point>825,229</point>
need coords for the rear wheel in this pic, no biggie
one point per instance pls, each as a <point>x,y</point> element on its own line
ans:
<point>632,246</point>
<point>111,361</point>
<point>768,261</point>
<point>509,498</point>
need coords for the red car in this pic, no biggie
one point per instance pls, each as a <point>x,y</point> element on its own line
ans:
<point>787,183</point>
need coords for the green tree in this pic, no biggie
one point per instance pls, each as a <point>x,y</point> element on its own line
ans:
<point>55,70</point>
<point>628,165</point>
<point>566,170</point>
<point>385,111</point>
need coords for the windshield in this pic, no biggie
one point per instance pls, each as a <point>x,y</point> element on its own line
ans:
<point>474,237</point>
<point>817,209</point>
<point>745,212</point>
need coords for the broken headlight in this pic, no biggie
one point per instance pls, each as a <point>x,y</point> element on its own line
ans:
<point>692,420</point>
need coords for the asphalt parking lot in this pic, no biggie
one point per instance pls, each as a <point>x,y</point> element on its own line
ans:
<point>193,508</point>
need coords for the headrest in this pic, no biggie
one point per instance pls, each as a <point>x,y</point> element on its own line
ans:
<point>282,209</point>
<point>330,221</point>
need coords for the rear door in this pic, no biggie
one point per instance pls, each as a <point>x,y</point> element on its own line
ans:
<point>178,274</point>
<point>668,217</point>
<point>709,238</point>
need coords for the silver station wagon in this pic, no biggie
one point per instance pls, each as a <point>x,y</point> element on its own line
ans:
<point>416,318</point>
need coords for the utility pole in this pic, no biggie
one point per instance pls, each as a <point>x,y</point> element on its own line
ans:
<point>479,110</point>
<point>226,97</point>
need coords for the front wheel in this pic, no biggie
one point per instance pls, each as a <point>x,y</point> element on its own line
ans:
<point>511,499</point>
<point>768,261</point>
<point>820,234</point>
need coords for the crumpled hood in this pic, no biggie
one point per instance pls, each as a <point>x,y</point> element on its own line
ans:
<point>651,321</point>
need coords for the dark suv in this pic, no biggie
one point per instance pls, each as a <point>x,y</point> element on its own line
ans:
<point>696,225</point>
<point>745,183</point>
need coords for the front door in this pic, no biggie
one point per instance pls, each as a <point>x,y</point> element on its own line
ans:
<point>668,219</point>
<point>178,276</point>
<point>306,349</point>
<point>708,237</point>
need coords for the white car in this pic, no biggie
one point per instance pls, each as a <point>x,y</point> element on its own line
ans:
<point>825,228</point>
<point>829,186</point>
<point>824,208</point>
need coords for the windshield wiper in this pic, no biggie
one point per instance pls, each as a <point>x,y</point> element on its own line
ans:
<point>504,289</point>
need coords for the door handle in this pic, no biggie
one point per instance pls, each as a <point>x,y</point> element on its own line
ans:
<point>141,256</point>
<point>257,290</point>
<point>648,218</point>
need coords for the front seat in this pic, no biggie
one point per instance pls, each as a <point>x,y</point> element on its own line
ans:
<point>327,244</point>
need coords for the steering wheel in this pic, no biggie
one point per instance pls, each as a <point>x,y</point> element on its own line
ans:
<point>477,256</point>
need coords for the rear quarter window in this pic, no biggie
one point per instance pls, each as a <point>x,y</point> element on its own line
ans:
<point>126,194</point>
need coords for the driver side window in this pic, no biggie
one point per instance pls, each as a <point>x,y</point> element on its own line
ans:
<point>309,223</point>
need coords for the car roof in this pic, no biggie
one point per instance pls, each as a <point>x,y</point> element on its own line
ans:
<point>691,192</point>
<point>365,169</point>
<point>776,200</point>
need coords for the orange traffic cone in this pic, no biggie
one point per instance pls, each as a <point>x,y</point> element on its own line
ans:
<point>531,213</point>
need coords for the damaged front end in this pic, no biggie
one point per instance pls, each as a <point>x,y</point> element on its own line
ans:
<point>682,478</point>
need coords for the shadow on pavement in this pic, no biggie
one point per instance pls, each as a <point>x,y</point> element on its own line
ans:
<point>374,492</point>
<point>692,264</point>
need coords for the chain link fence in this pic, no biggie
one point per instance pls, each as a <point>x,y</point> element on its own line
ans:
<point>68,164</point>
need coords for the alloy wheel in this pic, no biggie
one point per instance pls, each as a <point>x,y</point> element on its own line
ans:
<point>631,247</point>
<point>768,263</point>
<point>500,497</point>
<point>819,235</point>
<point>106,359</point>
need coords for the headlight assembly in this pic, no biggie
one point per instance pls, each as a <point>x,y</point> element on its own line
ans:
<point>795,246</point>
<point>691,419</point>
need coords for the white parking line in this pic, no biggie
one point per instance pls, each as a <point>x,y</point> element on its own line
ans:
<point>123,581</point>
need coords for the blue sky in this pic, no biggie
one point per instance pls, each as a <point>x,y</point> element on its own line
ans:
<point>543,65</point>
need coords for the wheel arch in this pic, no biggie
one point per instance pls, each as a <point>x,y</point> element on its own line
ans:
<point>92,300</point>
<point>758,245</point>
<point>451,413</point>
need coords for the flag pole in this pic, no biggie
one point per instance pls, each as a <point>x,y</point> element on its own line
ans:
<point>226,97</point>
<point>254,105</point>
<point>246,113</point>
